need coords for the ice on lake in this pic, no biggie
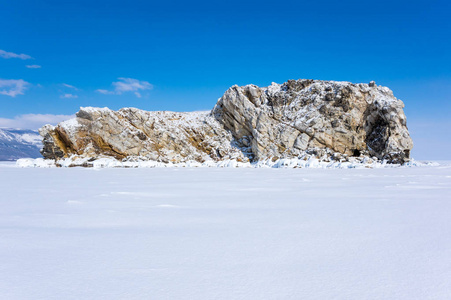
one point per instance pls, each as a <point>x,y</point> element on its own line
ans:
<point>212,233</point>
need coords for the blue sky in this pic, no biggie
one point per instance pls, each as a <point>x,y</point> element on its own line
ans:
<point>183,55</point>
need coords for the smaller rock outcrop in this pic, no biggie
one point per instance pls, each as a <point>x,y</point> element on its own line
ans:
<point>130,132</point>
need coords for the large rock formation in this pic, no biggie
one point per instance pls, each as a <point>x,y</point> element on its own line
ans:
<point>323,118</point>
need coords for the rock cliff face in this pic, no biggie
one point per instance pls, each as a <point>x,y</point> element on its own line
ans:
<point>131,133</point>
<point>323,118</point>
<point>284,120</point>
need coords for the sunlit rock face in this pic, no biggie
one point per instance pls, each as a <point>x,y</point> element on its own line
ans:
<point>328,119</point>
<point>283,120</point>
<point>130,132</point>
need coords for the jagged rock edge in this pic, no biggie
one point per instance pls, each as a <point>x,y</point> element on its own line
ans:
<point>255,124</point>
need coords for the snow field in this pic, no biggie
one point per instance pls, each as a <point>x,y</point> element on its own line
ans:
<point>233,233</point>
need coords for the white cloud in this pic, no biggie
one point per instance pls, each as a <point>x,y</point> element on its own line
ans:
<point>127,85</point>
<point>70,86</point>
<point>33,66</point>
<point>33,121</point>
<point>105,92</point>
<point>130,85</point>
<point>7,55</point>
<point>68,96</point>
<point>12,87</point>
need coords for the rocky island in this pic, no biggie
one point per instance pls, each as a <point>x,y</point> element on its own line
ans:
<point>300,119</point>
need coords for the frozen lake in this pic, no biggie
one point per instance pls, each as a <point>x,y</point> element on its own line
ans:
<point>212,233</point>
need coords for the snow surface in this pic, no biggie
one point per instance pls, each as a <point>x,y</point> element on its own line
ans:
<point>309,161</point>
<point>234,233</point>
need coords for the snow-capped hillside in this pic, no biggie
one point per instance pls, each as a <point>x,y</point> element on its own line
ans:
<point>18,143</point>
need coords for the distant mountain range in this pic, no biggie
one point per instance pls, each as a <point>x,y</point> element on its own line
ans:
<point>18,143</point>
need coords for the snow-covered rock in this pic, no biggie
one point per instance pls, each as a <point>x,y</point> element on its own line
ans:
<point>303,120</point>
<point>284,120</point>
<point>132,133</point>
